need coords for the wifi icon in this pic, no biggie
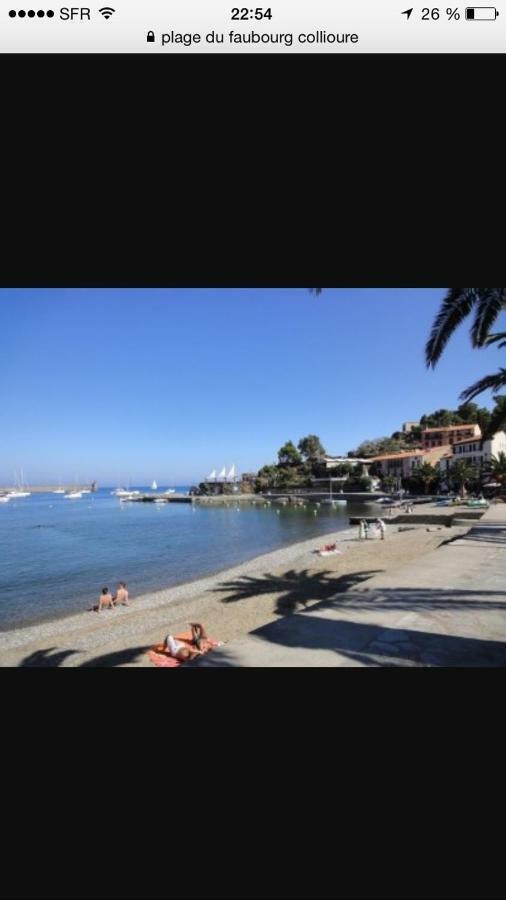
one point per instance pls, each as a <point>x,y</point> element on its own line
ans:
<point>107,11</point>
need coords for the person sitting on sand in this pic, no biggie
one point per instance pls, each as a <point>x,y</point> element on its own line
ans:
<point>105,599</point>
<point>199,634</point>
<point>121,596</point>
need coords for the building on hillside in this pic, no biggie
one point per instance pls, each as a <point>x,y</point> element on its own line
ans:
<point>438,437</point>
<point>408,426</point>
<point>402,465</point>
<point>475,452</point>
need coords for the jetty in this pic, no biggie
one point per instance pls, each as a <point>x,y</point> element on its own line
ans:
<point>166,498</point>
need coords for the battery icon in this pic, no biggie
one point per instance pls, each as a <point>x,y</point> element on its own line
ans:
<point>481,13</point>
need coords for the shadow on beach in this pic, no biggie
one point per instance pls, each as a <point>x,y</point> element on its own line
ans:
<point>47,659</point>
<point>362,642</point>
<point>296,589</point>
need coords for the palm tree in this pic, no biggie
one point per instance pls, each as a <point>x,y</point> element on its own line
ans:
<point>486,303</point>
<point>496,467</point>
<point>462,472</point>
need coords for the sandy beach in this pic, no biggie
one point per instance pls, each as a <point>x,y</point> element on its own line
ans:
<point>230,603</point>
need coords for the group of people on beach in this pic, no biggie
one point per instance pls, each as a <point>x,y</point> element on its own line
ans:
<point>120,598</point>
<point>368,530</point>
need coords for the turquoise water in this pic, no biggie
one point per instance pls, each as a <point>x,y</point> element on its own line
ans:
<point>56,554</point>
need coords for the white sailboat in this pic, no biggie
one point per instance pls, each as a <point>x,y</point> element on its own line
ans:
<point>73,495</point>
<point>4,498</point>
<point>18,492</point>
<point>154,486</point>
<point>59,489</point>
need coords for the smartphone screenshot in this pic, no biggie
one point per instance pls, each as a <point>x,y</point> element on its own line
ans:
<point>281,26</point>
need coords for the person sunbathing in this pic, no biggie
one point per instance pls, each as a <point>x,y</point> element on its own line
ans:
<point>199,634</point>
<point>179,650</point>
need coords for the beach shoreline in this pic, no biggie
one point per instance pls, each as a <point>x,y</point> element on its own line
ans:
<point>230,602</point>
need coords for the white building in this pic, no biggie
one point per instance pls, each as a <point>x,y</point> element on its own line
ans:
<point>475,452</point>
<point>331,462</point>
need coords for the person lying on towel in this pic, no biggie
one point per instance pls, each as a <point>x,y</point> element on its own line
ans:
<point>182,651</point>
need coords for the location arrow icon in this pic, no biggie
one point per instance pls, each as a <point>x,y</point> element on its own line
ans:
<point>407,12</point>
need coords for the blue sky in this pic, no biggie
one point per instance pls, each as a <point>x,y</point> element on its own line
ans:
<point>131,385</point>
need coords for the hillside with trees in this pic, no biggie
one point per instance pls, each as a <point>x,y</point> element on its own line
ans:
<point>399,441</point>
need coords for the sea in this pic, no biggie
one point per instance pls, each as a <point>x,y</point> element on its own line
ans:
<point>57,554</point>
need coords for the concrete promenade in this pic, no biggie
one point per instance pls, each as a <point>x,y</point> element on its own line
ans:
<point>447,608</point>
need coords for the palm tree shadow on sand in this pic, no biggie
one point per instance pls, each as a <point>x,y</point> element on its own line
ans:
<point>48,660</point>
<point>325,620</point>
<point>296,590</point>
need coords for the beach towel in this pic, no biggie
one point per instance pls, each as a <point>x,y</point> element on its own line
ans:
<point>159,656</point>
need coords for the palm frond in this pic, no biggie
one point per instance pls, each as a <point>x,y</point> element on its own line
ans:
<point>457,304</point>
<point>491,301</point>
<point>489,382</point>
<point>494,338</point>
<point>497,421</point>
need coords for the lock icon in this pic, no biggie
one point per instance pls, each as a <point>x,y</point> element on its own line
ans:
<point>151,37</point>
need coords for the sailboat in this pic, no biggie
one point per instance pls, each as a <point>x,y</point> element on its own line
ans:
<point>59,490</point>
<point>18,492</point>
<point>154,486</point>
<point>330,499</point>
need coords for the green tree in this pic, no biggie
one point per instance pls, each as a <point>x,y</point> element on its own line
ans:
<point>311,448</point>
<point>461,474</point>
<point>266,478</point>
<point>486,304</point>
<point>425,475</point>
<point>495,468</point>
<point>288,455</point>
<point>496,419</point>
<point>389,482</point>
<point>441,418</point>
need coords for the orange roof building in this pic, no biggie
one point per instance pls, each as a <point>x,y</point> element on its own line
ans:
<point>438,437</point>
